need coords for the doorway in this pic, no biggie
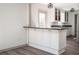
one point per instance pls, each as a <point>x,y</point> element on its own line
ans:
<point>75,25</point>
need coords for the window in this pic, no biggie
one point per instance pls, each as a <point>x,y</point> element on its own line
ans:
<point>42,19</point>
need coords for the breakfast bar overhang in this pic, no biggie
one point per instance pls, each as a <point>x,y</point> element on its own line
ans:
<point>52,40</point>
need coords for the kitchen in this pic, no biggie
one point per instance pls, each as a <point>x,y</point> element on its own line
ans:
<point>36,25</point>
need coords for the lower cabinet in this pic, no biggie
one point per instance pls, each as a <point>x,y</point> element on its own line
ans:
<point>53,41</point>
<point>39,37</point>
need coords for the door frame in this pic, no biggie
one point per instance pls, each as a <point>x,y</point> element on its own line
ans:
<point>75,18</point>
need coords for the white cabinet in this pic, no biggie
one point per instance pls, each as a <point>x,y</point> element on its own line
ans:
<point>53,41</point>
<point>45,40</point>
<point>34,36</point>
<point>39,37</point>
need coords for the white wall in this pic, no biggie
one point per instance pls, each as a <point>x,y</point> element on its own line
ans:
<point>62,16</point>
<point>71,20</point>
<point>34,14</point>
<point>12,19</point>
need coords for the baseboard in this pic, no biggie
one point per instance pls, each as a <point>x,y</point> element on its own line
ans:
<point>62,51</point>
<point>3,50</point>
<point>47,49</point>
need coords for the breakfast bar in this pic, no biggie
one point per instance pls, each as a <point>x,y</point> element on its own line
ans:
<point>52,40</point>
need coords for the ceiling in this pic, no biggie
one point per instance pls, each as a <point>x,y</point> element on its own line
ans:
<point>67,6</point>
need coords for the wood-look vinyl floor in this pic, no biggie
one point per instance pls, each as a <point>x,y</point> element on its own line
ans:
<point>72,49</point>
<point>26,50</point>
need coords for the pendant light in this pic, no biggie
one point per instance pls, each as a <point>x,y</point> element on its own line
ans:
<point>50,5</point>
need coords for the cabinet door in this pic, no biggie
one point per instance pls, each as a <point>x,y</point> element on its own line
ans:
<point>34,36</point>
<point>45,38</point>
<point>54,39</point>
<point>39,37</point>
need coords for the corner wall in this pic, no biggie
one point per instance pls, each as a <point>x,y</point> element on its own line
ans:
<point>12,19</point>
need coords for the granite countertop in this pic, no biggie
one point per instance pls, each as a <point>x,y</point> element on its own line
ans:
<point>61,25</point>
<point>51,28</point>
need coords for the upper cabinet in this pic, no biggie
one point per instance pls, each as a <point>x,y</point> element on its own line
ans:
<point>66,16</point>
<point>57,14</point>
<point>61,15</point>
